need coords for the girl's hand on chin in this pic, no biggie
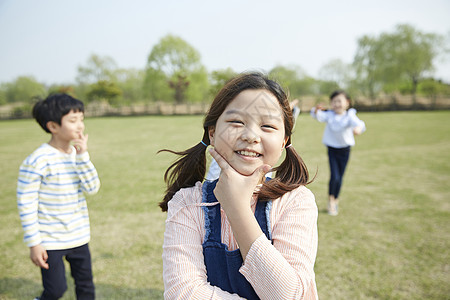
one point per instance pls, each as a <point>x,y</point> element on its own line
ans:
<point>234,190</point>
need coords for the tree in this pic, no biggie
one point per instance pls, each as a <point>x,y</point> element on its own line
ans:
<point>102,78</point>
<point>295,79</point>
<point>180,85</point>
<point>365,64</point>
<point>130,82</point>
<point>24,89</point>
<point>66,89</point>
<point>406,55</point>
<point>327,87</point>
<point>432,88</point>
<point>97,69</point>
<point>104,90</point>
<point>219,78</point>
<point>286,75</point>
<point>156,86</point>
<point>336,71</point>
<point>3,88</point>
<point>174,64</point>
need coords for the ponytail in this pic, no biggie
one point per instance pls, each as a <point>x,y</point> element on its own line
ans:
<point>291,174</point>
<point>186,170</point>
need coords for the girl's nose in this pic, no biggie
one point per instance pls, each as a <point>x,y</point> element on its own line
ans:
<point>250,135</point>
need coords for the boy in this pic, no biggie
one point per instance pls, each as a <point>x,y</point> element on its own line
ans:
<point>50,199</point>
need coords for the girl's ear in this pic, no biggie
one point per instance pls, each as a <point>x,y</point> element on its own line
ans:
<point>211,132</point>
<point>52,126</point>
<point>286,139</point>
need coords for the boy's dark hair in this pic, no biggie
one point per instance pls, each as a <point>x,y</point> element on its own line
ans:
<point>191,166</point>
<point>341,92</point>
<point>54,107</point>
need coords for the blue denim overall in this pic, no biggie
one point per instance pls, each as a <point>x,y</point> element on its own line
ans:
<point>222,266</point>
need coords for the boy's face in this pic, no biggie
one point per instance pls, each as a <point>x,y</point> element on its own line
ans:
<point>72,126</point>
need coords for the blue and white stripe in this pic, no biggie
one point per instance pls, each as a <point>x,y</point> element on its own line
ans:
<point>50,198</point>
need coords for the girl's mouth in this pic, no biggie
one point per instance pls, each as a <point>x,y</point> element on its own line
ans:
<point>248,153</point>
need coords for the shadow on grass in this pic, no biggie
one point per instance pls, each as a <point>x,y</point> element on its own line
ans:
<point>18,288</point>
<point>323,211</point>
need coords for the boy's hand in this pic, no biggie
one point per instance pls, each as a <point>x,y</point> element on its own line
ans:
<point>39,256</point>
<point>80,144</point>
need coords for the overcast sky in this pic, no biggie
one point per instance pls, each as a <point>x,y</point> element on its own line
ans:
<point>49,39</point>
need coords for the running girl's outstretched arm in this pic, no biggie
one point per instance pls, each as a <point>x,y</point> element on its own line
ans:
<point>358,125</point>
<point>318,113</point>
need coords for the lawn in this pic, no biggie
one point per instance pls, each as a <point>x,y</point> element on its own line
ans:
<point>391,239</point>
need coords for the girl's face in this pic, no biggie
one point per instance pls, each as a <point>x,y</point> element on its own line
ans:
<point>250,132</point>
<point>340,104</point>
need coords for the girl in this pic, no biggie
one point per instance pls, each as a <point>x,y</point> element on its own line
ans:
<point>342,125</point>
<point>241,236</point>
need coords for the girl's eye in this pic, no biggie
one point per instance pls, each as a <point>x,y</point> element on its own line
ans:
<point>267,126</point>
<point>236,122</point>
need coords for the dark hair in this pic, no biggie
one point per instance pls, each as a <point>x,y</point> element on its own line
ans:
<point>54,107</point>
<point>191,166</point>
<point>341,92</point>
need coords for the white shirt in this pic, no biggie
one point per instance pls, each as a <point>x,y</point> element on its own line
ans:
<point>339,130</point>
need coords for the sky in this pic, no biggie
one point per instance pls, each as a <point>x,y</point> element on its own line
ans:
<point>50,39</point>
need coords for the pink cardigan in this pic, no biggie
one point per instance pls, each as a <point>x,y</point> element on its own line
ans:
<point>281,269</point>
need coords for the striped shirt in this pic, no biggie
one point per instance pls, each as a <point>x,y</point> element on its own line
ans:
<point>281,269</point>
<point>50,198</point>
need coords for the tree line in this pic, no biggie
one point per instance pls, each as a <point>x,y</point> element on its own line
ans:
<point>401,61</point>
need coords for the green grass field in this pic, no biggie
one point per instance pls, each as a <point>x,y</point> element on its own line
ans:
<point>391,239</point>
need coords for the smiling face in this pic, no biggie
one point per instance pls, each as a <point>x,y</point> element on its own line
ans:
<point>250,132</point>
<point>72,126</point>
<point>339,104</point>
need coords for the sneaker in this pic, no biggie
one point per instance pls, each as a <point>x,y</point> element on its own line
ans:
<point>332,209</point>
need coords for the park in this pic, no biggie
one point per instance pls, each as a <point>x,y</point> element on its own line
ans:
<point>390,240</point>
